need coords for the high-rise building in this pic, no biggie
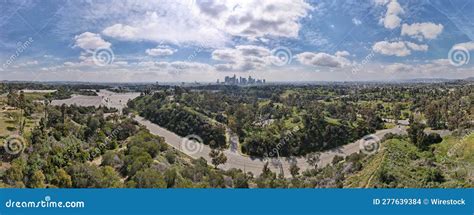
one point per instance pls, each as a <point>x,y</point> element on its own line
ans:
<point>233,80</point>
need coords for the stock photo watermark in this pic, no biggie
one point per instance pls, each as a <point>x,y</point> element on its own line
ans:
<point>459,56</point>
<point>103,56</point>
<point>20,48</point>
<point>44,203</point>
<point>191,144</point>
<point>282,56</point>
<point>14,144</point>
<point>369,144</point>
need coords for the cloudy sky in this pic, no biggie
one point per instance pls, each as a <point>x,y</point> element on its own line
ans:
<point>205,40</point>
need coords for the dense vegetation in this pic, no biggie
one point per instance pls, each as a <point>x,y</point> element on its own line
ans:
<point>85,147</point>
<point>302,119</point>
<point>81,147</point>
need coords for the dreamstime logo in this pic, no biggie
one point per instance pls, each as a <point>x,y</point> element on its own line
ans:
<point>458,56</point>
<point>21,47</point>
<point>286,139</point>
<point>103,56</point>
<point>282,56</point>
<point>191,144</point>
<point>14,144</point>
<point>357,67</point>
<point>369,144</point>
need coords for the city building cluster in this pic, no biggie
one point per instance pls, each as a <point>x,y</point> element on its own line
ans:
<point>233,80</point>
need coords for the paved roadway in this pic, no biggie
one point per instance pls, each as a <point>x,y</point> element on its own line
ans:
<point>255,165</point>
<point>104,98</point>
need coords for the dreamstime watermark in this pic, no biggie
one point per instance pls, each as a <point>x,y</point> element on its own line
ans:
<point>21,47</point>
<point>283,141</point>
<point>282,56</point>
<point>369,144</point>
<point>101,146</point>
<point>44,203</point>
<point>191,144</point>
<point>103,56</point>
<point>456,147</point>
<point>458,55</point>
<point>14,144</point>
<point>357,67</point>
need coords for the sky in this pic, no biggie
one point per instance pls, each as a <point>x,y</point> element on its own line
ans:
<point>206,40</point>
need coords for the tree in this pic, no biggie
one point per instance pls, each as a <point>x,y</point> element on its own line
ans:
<point>217,157</point>
<point>294,170</point>
<point>336,159</point>
<point>109,178</point>
<point>15,173</point>
<point>37,180</point>
<point>149,178</point>
<point>397,111</point>
<point>434,119</point>
<point>416,132</point>
<point>313,159</point>
<point>62,180</point>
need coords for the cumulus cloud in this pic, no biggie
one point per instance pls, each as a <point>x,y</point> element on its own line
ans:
<point>420,31</point>
<point>243,58</point>
<point>398,68</point>
<point>467,45</point>
<point>255,18</point>
<point>399,48</point>
<point>342,53</point>
<point>209,23</point>
<point>323,59</point>
<point>392,19</point>
<point>160,51</point>
<point>175,28</point>
<point>90,41</point>
<point>417,47</point>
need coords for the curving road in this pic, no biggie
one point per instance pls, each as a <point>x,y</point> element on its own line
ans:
<point>255,165</point>
<point>234,158</point>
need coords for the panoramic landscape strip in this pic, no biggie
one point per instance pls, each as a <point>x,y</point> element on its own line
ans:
<point>274,106</point>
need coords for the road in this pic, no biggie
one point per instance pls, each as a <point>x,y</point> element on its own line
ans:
<point>255,165</point>
<point>234,158</point>
<point>104,98</point>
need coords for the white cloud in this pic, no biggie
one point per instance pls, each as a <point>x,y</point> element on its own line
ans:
<point>420,31</point>
<point>417,47</point>
<point>160,51</point>
<point>90,41</point>
<point>467,45</point>
<point>342,53</point>
<point>392,15</point>
<point>394,48</point>
<point>208,23</point>
<point>176,28</point>
<point>356,21</point>
<point>323,59</point>
<point>398,68</point>
<point>253,19</point>
<point>243,58</point>
<point>399,48</point>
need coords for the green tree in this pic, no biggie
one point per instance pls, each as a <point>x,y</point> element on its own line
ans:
<point>15,173</point>
<point>149,178</point>
<point>109,178</point>
<point>62,180</point>
<point>218,157</point>
<point>397,111</point>
<point>294,170</point>
<point>37,180</point>
<point>416,133</point>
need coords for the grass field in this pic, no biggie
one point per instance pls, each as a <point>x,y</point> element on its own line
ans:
<point>401,164</point>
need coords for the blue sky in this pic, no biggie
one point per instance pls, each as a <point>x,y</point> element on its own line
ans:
<point>193,40</point>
